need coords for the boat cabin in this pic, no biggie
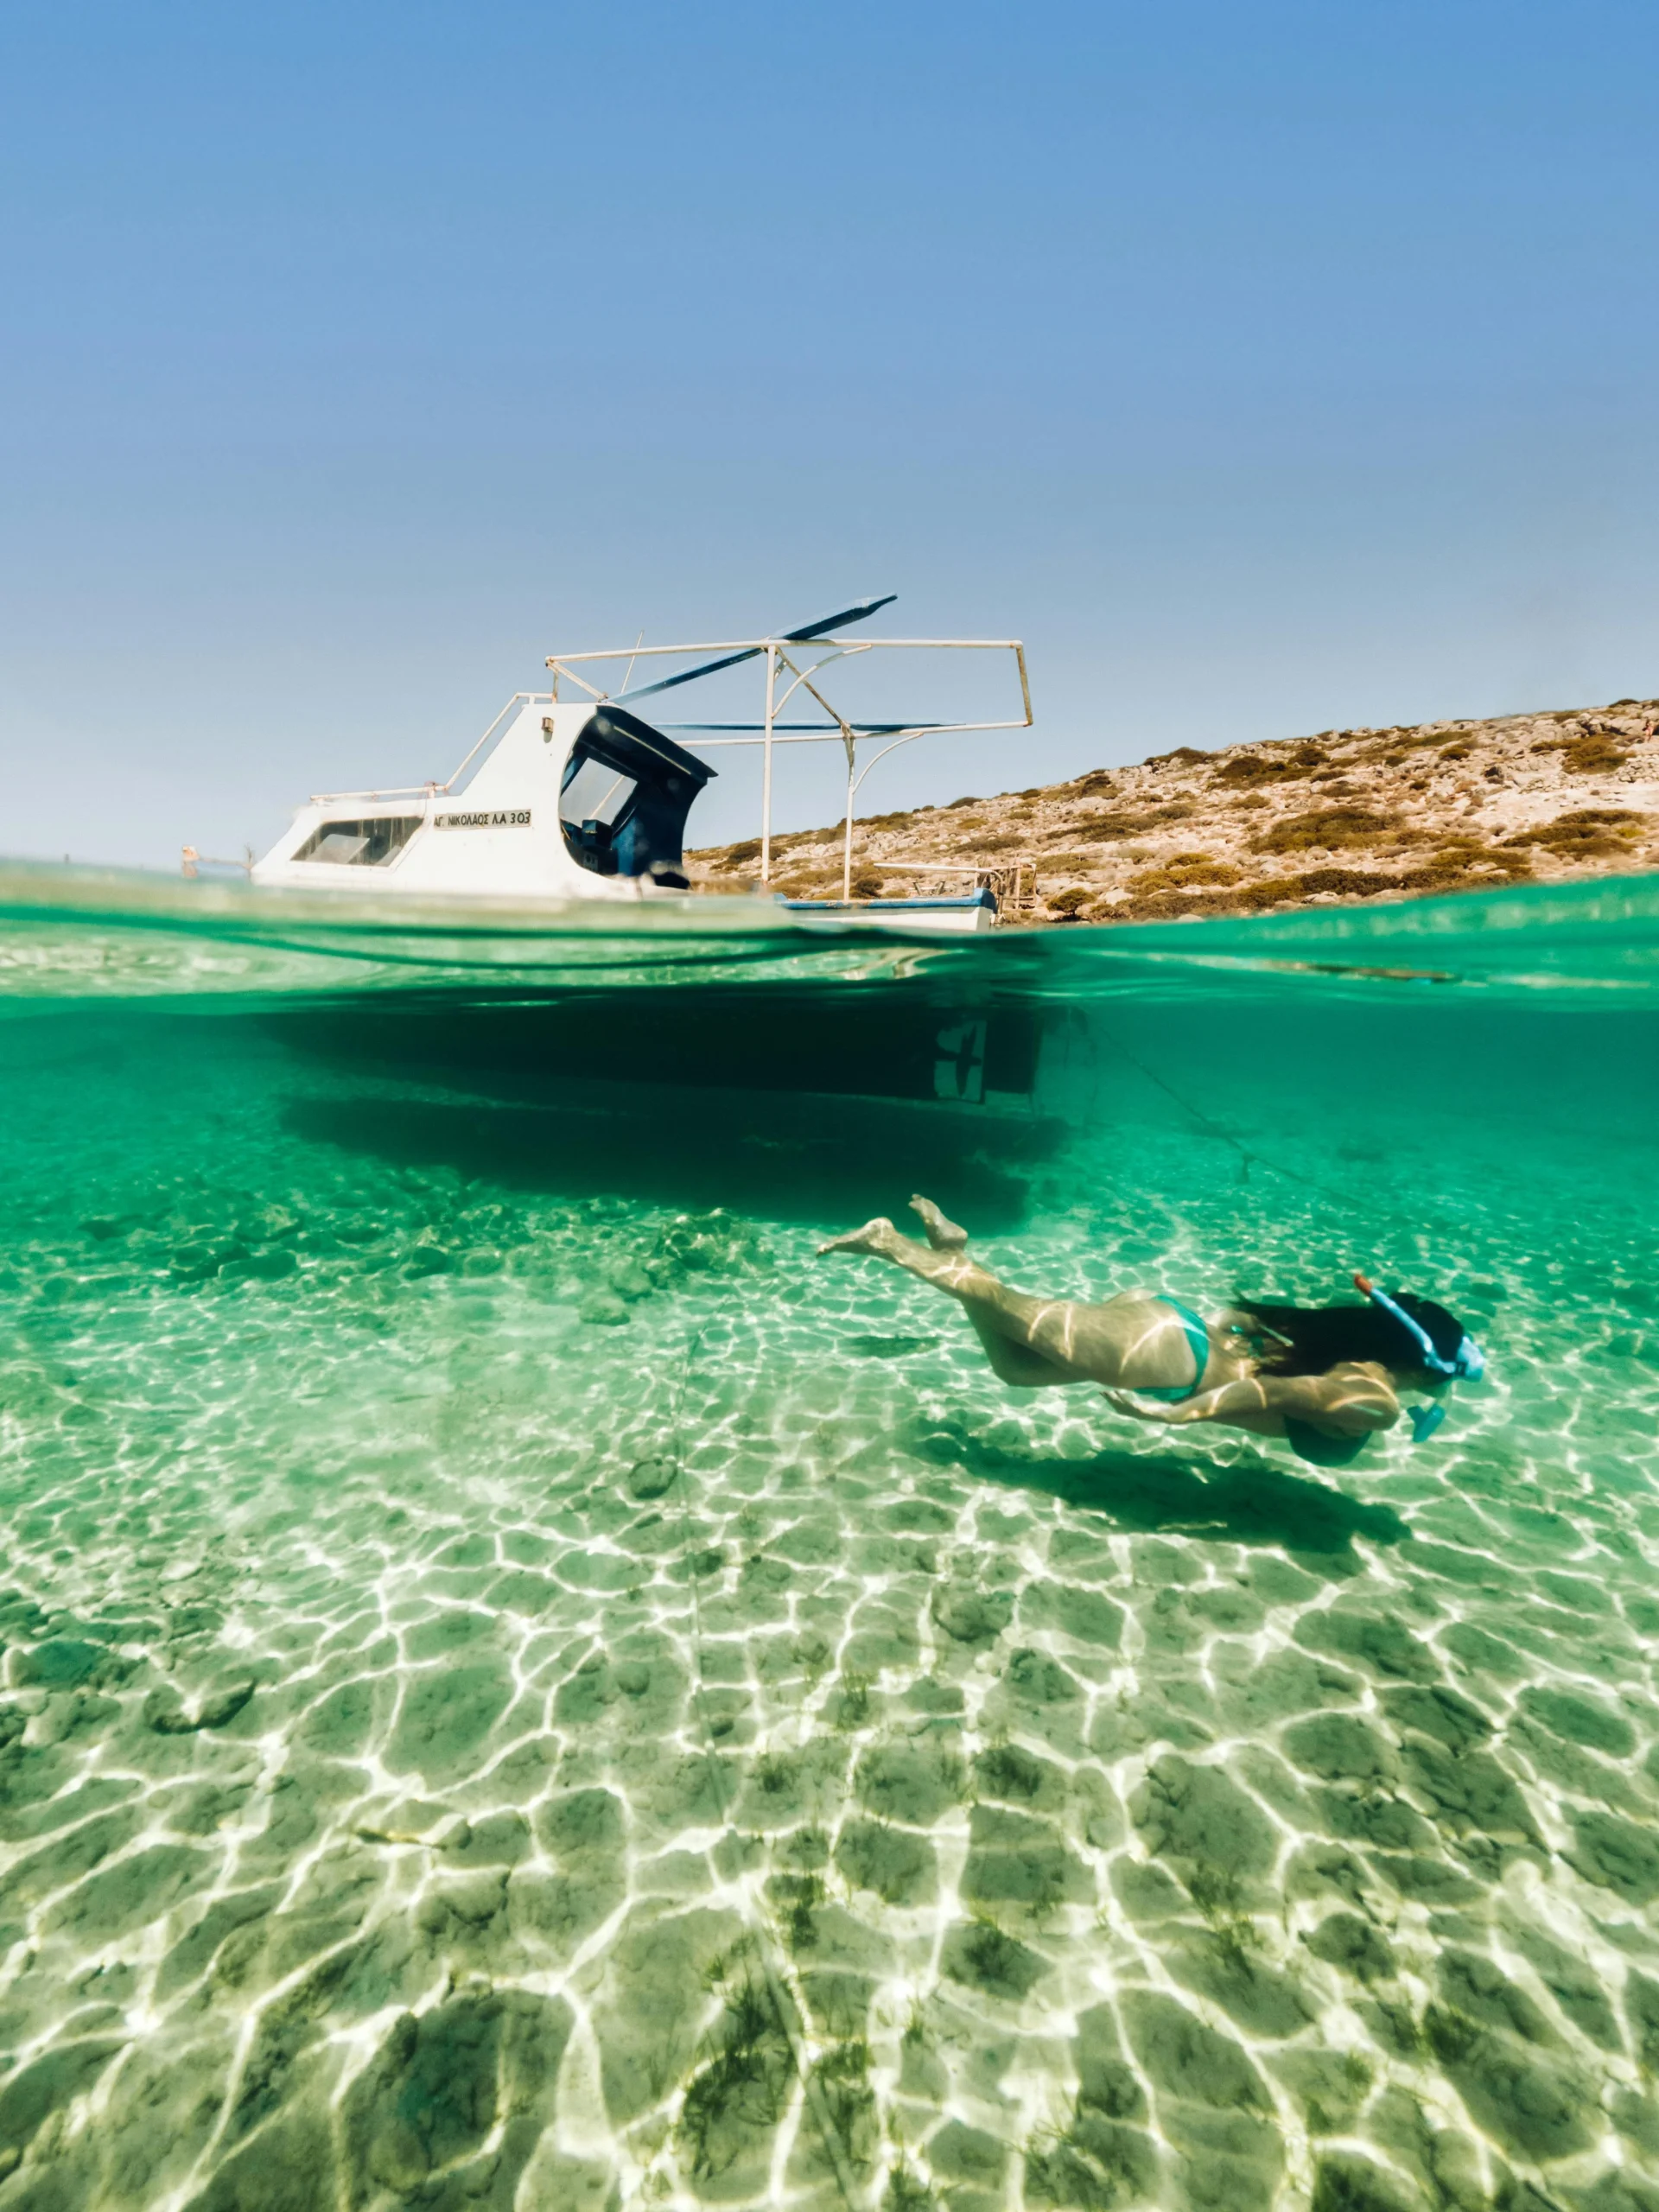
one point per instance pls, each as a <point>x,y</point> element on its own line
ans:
<point>556,801</point>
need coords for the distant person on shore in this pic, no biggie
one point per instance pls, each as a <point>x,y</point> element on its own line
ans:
<point>1324,1378</point>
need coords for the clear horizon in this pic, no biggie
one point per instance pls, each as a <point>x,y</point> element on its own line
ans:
<point>1265,373</point>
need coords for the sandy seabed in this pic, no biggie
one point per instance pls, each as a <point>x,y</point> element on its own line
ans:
<point>522,1700</point>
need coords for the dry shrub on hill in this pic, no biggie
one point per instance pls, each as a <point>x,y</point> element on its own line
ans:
<point>1102,829</point>
<point>1588,833</point>
<point>1068,903</point>
<point>1244,771</point>
<point>1324,828</point>
<point>1184,872</point>
<point>1592,755</point>
<point>1247,770</point>
<point>1589,749</point>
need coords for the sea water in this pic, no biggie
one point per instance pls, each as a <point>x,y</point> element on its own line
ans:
<point>525,1686</point>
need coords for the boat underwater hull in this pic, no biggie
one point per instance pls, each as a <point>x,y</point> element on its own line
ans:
<point>865,1041</point>
<point>747,1099</point>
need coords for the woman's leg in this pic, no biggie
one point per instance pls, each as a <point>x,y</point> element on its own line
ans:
<point>1061,1340</point>
<point>1013,1364</point>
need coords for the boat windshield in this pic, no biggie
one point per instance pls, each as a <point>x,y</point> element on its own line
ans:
<point>626,793</point>
<point>597,792</point>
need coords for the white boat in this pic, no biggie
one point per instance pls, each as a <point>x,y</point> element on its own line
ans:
<point>580,799</point>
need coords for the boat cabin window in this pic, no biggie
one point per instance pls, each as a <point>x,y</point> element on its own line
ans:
<point>369,843</point>
<point>624,797</point>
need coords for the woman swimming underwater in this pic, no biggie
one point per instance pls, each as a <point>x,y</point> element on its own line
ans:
<point>1323,1377</point>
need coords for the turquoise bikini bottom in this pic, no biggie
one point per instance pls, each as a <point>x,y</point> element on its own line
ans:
<point>1197,1336</point>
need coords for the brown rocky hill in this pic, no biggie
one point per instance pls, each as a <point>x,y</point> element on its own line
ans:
<point>1348,814</point>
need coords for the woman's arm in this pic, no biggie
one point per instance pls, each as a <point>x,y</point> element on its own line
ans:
<point>1353,1401</point>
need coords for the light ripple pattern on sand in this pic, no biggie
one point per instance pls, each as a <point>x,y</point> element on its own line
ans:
<point>464,1643</point>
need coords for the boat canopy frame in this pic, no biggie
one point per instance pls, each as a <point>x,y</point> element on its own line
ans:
<point>784,657</point>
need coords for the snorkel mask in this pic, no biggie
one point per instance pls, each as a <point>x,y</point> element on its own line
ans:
<point>1467,1364</point>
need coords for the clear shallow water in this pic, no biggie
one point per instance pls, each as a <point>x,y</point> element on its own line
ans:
<point>524,1688</point>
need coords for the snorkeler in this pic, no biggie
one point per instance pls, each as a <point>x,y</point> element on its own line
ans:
<point>1324,1378</point>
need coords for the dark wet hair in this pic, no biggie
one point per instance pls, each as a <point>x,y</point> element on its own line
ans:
<point>1318,1337</point>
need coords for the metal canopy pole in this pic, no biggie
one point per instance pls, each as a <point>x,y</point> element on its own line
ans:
<point>765,769</point>
<point>850,742</point>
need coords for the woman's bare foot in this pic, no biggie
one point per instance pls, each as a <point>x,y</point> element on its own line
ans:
<point>879,1236</point>
<point>943,1235</point>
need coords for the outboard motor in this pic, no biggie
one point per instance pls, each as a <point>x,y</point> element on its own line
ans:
<point>624,796</point>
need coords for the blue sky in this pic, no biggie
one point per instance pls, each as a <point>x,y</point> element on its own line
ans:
<point>1266,368</point>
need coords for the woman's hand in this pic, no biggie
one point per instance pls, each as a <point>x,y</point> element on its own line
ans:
<point>1125,1402</point>
<point>1139,1409</point>
<point>1227,1402</point>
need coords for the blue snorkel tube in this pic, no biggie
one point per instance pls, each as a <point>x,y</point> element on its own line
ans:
<point>1467,1364</point>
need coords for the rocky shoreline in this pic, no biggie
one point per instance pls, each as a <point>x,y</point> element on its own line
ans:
<point>1347,814</point>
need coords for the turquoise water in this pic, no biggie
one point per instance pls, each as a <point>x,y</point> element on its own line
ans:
<point>525,1687</point>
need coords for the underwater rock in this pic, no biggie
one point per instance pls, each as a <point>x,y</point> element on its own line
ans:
<point>166,1713</point>
<point>193,1955</point>
<point>585,1819</point>
<point>498,1839</point>
<point>652,1477</point>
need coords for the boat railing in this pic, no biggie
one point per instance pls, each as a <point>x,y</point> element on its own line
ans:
<point>1011,882</point>
<point>476,756</point>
